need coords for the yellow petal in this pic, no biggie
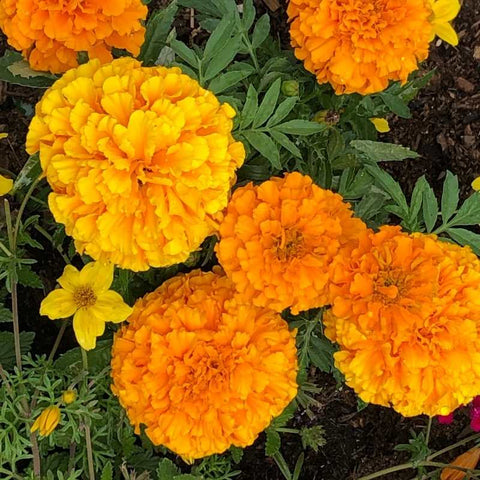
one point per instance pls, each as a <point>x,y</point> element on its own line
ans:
<point>381,124</point>
<point>87,328</point>
<point>446,32</point>
<point>6,184</point>
<point>58,304</point>
<point>445,10</point>
<point>476,184</point>
<point>3,135</point>
<point>70,278</point>
<point>98,275</point>
<point>110,307</point>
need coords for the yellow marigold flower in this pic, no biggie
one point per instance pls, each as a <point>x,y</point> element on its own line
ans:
<point>201,370</point>
<point>443,12</point>
<point>85,294</point>
<point>406,315</point>
<point>6,184</point>
<point>467,460</point>
<point>380,124</point>
<point>69,396</point>
<point>360,45</point>
<point>140,160</point>
<point>278,240</point>
<point>47,421</point>
<point>50,33</point>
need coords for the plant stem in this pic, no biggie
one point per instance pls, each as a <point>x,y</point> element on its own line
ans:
<point>386,471</point>
<point>21,210</point>
<point>429,429</point>
<point>54,349</point>
<point>84,360</point>
<point>88,441</point>
<point>455,445</point>
<point>16,324</point>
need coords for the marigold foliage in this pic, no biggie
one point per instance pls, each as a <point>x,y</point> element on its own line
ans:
<point>406,315</point>
<point>360,45</point>
<point>140,161</point>
<point>50,33</point>
<point>199,369</point>
<point>278,240</point>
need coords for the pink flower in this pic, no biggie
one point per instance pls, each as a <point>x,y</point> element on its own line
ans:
<point>445,419</point>
<point>475,414</point>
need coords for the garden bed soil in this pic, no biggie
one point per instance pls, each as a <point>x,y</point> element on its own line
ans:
<point>445,131</point>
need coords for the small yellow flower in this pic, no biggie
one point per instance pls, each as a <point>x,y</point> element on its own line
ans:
<point>6,184</point>
<point>3,135</point>
<point>47,421</point>
<point>381,124</point>
<point>443,12</point>
<point>69,396</point>
<point>476,184</point>
<point>85,294</point>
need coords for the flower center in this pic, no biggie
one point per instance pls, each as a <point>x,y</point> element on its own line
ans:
<point>84,296</point>
<point>289,245</point>
<point>390,285</point>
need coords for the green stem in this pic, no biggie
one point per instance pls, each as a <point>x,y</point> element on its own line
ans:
<point>84,360</point>
<point>386,471</point>
<point>16,324</point>
<point>88,441</point>
<point>22,209</point>
<point>429,429</point>
<point>475,436</point>
<point>5,249</point>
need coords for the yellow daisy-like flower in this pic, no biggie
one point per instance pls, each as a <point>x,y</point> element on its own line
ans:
<point>140,160</point>
<point>47,421</point>
<point>50,33</point>
<point>201,370</point>
<point>443,12</point>
<point>85,294</point>
<point>406,316</point>
<point>359,46</point>
<point>381,124</point>
<point>69,396</point>
<point>6,184</point>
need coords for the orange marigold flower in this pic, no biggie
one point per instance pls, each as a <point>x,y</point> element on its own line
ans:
<point>50,33</point>
<point>140,161</point>
<point>278,239</point>
<point>360,45</point>
<point>199,369</point>
<point>406,315</point>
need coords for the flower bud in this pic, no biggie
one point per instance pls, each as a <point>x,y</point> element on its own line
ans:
<point>47,421</point>
<point>290,88</point>
<point>330,117</point>
<point>69,396</point>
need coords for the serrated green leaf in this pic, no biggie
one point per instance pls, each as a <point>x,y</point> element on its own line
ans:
<point>28,278</point>
<point>261,31</point>
<point>107,472</point>
<point>7,348</point>
<point>282,111</point>
<point>383,152</point>
<point>468,213</point>
<point>185,53</point>
<point>265,146</point>
<point>320,353</point>
<point>5,315</point>
<point>14,69</point>
<point>268,104</point>
<point>250,108</point>
<point>236,453</point>
<point>300,127</point>
<point>166,469</point>
<point>228,80</point>
<point>273,442</point>
<point>396,104</point>
<point>286,143</point>
<point>156,33</point>
<point>429,208</point>
<point>465,237</point>
<point>223,58</point>
<point>449,196</point>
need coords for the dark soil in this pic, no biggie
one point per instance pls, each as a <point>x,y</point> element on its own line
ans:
<point>445,131</point>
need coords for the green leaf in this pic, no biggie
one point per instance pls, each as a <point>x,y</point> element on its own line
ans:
<point>273,442</point>
<point>28,278</point>
<point>236,453</point>
<point>218,39</point>
<point>449,196</point>
<point>187,476</point>
<point>430,208</point>
<point>250,108</point>
<point>382,152</point>
<point>268,104</point>
<point>469,212</point>
<point>320,353</point>
<point>282,111</point>
<point>30,172</point>
<point>300,127</point>
<point>313,437</point>
<point>14,69</point>
<point>286,143</point>
<point>5,315</point>
<point>249,13</point>
<point>107,472</point>
<point>417,199</point>
<point>265,146</point>
<point>157,29</point>
<point>390,186</point>
<point>7,348</point>
<point>98,358</point>
<point>185,53</point>
<point>396,104</point>
<point>228,80</point>
<point>209,7</point>
<point>166,469</point>
<point>224,57</point>
<point>465,237</point>
<point>261,31</point>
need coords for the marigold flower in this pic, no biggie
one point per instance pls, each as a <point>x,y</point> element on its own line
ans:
<point>69,396</point>
<point>201,370</point>
<point>406,315</point>
<point>140,161</point>
<point>47,421</point>
<point>443,12</point>
<point>467,460</point>
<point>85,294</point>
<point>50,33</point>
<point>278,240</point>
<point>360,45</point>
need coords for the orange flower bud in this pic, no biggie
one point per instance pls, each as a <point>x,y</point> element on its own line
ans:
<point>467,460</point>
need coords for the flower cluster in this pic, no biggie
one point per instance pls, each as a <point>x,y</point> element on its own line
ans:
<point>278,240</point>
<point>406,315</point>
<point>140,161</point>
<point>201,370</point>
<point>50,34</point>
<point>360,45</point>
